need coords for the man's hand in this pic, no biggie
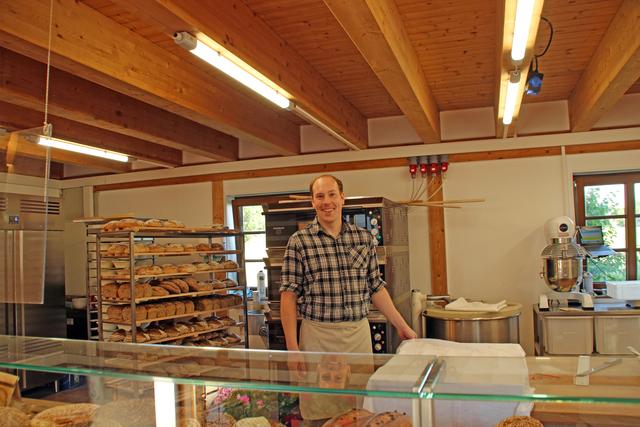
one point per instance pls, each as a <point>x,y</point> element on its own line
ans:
<point>297,366</point>
<point>406,333</point>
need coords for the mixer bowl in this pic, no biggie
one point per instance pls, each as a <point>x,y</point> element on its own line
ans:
<point>562,274</point>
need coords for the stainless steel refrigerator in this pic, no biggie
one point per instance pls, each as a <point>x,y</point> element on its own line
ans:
<point>32,294</point>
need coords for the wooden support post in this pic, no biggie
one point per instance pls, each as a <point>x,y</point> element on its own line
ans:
<point>437,248</point>
<point>217,199</point>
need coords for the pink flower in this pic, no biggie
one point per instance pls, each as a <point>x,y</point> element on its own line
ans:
<point>244,399</point>
<point>260,403</point>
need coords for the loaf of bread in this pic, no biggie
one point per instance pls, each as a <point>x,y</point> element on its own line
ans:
<point>110,290</point>
<point>204,304</point>
<point>140,337</point>
<point>141,313</point>
<point>124,291</point>
<point>118,336</point>
<point>114,312</point>
<point>153,223</point>
<point>203,247</point>
<point>215,419</point>
<point>189,307</point>
<point>520,421</point>
<point>229,265</point>
<point>155,333</point>
<point>187,268</point>
<point>217,247</point>
<point>173,247</point>
<point>173,223</point>
<point>12,417</point>
<point>202,266</point>
<point>159,291</point>
<point>169,269</point>
<point>214,265</point>
<point>184,286</point>
<point>230,283</point>
<point>204,286</point>
<point>253,422</point>
<point>192,284</point>
<point>73,415</point>
<point>170,308</point>
<point>154,248</point>
<point>180,309</point>
<point>353,417</point>
<point>170,286</point>
<point>140,248</point>
<point>389,419</point>
<point>188,247</point>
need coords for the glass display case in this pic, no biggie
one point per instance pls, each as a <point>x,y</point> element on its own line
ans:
<point>118,384</point>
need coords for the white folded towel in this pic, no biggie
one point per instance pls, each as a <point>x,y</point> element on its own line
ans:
<point>462,304</point>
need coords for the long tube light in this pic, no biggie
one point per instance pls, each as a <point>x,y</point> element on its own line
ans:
<point>82,149</point>
<point>522,25</point>
<point>512,97</point>
<point>233,70</point>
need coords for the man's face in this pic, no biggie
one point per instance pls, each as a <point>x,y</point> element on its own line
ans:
<point>327,200</point>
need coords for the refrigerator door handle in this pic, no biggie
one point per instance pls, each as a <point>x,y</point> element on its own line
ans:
<point>19,282</point>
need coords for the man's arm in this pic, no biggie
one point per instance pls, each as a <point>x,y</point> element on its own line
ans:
<point>289,318</point>
<point>382,301</point>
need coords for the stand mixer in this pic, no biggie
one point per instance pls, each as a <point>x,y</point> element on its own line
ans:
<point>562,264</point>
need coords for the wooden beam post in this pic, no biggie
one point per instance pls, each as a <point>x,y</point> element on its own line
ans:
<point>217,200</point>
<point>437,248</point>
<point>92,46</point>
<point>376,29</point>
<point>612,70</point>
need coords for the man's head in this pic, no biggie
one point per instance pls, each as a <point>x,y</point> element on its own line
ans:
<point>327,199</point>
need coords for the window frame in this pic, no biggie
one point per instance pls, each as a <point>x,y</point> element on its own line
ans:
<point>628,179</point>
<point>237,203</point>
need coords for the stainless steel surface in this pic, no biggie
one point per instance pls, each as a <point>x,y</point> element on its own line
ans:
<point>562,264</point>
<point>31,306</point>
<point>501,330</point>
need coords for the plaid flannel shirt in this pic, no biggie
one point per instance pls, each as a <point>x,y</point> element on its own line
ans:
<point>333,278</point>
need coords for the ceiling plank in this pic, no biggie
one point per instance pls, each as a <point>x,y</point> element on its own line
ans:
<point>375,27</point>
<point>92,46</point>
<point>13,117</point>
<point>613,69</point>
<point>235,27</point>
<point>22,81</point>
<point>27,148</point>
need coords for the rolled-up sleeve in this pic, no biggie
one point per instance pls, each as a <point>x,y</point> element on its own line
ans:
<point>374,277</point>
<point>292,268</point>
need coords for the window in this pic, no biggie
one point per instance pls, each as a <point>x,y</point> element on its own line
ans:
<point>613,202</point>
<point>248,212</point>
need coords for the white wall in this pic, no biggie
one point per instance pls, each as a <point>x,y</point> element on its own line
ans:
<point>493,248</point>
<point>190,203</point>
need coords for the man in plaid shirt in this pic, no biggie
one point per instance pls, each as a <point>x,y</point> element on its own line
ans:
<point>329,275</point>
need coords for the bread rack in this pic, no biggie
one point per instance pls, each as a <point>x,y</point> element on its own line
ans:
<point>99,264</point>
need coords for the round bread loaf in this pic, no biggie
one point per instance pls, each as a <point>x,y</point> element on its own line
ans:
<point>220,420</point>
<point>75,415</point>
<point>520,421</point>
<point>354,417</point>
<point>135,412</point>
<point>389,419</point>
<point>12,417</point>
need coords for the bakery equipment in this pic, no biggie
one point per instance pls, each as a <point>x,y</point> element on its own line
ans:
<point>473,327</point>
<point>29,305</point>
<point>562,262</point>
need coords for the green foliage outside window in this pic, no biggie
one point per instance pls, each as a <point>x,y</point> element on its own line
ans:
<point>599,203</point>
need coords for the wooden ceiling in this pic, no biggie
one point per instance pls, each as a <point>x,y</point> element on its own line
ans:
<point>120,82</point>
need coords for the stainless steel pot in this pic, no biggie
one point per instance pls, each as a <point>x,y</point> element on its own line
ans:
<point>562,275</point>
<point>502,327</point>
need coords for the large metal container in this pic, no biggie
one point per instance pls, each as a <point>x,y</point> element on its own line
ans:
<point>476,327</point>
<point>562,264</point>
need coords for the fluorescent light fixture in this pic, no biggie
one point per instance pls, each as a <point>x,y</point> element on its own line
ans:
<point>524,15</point>
<point>233,70</point>
<point>164,393</point>
<point>82,149</point>
<point>512,97</point>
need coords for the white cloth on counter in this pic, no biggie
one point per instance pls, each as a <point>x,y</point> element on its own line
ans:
<point>462,304</point>
<point>472,368</point>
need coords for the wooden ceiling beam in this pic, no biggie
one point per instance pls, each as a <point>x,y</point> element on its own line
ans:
<point>31,167</point>
<point>22,82</point>
<point>25,146</point>
<point>612,70</point>
<point>235,27</point>
<point>13,117</point>
<point>94,47</point>
<point>376,29</point>
<point>505,19</point>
